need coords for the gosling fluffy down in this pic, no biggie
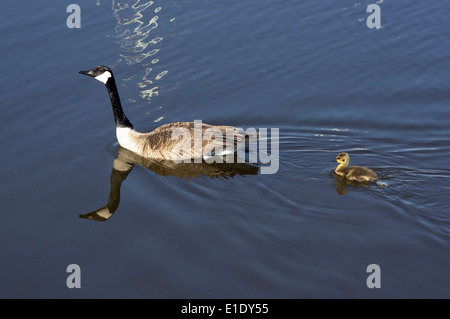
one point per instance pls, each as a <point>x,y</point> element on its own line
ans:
<point>353,173</point>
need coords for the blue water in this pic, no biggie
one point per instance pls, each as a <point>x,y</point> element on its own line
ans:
<point>313,69</point>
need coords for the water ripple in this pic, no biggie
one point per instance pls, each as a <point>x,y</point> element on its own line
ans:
<point>136,32</point>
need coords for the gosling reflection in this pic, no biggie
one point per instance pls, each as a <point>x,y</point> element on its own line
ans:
<point>342,184</point>
<point>125,161</point>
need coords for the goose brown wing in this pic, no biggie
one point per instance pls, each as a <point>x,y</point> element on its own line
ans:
<point>162,140</point>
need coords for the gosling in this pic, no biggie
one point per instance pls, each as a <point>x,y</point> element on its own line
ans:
<point>353,173</point>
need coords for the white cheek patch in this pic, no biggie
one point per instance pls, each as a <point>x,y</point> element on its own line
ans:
<point>103,77</point>
<point>104,212</point>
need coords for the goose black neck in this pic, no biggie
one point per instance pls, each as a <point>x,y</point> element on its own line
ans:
<point>119,116</point>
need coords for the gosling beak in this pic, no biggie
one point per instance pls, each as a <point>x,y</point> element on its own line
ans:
<point>88,72</point>
<point>334,160</point>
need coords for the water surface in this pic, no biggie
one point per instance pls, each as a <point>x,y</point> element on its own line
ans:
<point>313,70</point>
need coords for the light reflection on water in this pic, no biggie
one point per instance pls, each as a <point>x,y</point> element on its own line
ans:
<point>136,34</point>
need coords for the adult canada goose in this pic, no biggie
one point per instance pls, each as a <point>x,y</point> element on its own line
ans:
<point>353,173</point>
<point>158,144</point>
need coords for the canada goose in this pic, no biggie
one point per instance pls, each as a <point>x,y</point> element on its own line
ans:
<point>353,173</point>
<point>158,144</point>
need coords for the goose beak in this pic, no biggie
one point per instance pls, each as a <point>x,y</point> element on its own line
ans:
<point>88,72</point>
<point>334,160</point>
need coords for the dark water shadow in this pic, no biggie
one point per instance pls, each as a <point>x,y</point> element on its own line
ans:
<point>343,185</point>
<point>124,164</point>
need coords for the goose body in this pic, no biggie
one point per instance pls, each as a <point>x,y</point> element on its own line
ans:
<point>160,143</point>
<point>353,173</point>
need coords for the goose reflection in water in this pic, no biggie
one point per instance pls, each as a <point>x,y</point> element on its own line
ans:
<point>125,161</point>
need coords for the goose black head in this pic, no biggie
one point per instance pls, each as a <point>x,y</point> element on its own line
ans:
<point>101,73</point>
